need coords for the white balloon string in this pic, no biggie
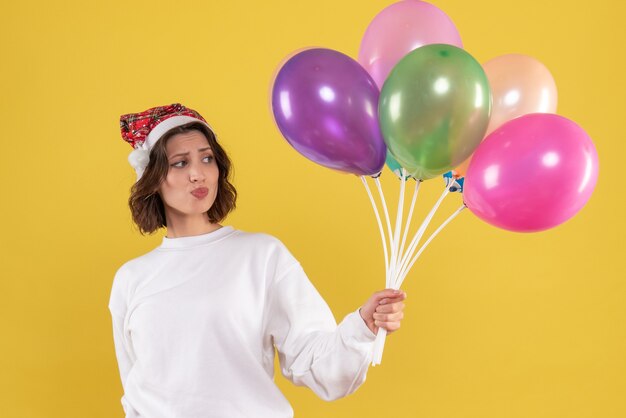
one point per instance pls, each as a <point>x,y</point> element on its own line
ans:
<point>380,226</point>
<point>422,229</point>
<point>423,247</point>
<point>379,343</point>
<point>398,229</point>
<point>408,221</point>
<point>384,204</point>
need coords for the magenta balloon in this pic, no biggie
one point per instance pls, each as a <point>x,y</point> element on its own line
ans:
<point>532,173</point>
<point>326,106</point>
<point>399,29</point>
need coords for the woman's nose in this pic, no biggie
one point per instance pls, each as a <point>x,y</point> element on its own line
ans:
<point>195,173</point>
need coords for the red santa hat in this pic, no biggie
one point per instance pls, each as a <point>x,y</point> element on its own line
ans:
<point>142,130</point>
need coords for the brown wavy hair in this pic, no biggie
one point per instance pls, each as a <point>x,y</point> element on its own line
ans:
<point>145,202</point>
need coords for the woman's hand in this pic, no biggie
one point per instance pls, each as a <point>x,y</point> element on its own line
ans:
<point>384,309</point>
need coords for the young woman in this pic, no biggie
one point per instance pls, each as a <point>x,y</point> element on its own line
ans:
<point>196,320</point>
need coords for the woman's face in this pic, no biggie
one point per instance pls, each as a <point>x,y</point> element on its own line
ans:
<point>192,168</point>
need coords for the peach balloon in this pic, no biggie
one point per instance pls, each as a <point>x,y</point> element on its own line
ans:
<point>462,168</point>
<point>519,85</point>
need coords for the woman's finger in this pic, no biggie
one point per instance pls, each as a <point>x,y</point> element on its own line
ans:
<point>390,307</point>
<point>389,326</point>
<point>386,300</point>
<point>389,317</point>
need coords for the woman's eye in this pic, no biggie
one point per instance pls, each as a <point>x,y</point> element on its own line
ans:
<point>177,164</point>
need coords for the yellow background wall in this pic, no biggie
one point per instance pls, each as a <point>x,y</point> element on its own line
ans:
<point>498,324</point>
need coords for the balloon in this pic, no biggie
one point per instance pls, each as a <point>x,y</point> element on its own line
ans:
<point>394,166</point>
<point>434,109</point>
<point>531,174</point>
<point>325,104</point>
<point>461,169</point>
<point>279,66</point>
<point>400,28</point>
<point>519,85</point>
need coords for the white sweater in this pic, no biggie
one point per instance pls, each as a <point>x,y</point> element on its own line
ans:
<point>196,319</point>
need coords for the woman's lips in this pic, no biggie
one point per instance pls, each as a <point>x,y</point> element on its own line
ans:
<point>200,192</point>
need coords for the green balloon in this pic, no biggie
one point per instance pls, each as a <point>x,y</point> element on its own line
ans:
<point>434,109</point>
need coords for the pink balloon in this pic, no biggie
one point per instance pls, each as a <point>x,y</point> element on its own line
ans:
<point>400,28</point>
<point>531,174</point>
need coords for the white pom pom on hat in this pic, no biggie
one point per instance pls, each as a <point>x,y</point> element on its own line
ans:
<point>139,158</point>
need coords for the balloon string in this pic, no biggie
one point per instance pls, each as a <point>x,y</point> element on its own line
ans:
<point>408,222</point>
<point>384,204</point>
<point>398,229</point>
<point>404,273</point>
<point>380,226</point>
<point>379,343</point>
<point>395,276</point>
<point>422,229</point>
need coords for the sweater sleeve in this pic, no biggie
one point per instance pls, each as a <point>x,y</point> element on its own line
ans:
<point>313,350</point>
<point>118,307</point>
<point>124,362</point>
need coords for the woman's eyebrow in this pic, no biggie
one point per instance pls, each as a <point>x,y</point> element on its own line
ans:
<point>185,153</point>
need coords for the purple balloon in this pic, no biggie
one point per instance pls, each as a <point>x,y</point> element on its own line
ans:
<point>326,106</point>
<point>532,173</point>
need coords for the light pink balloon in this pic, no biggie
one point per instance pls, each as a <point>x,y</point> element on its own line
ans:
<point>400,28</point>
<point>519,85</point>
<point>531,174</point>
